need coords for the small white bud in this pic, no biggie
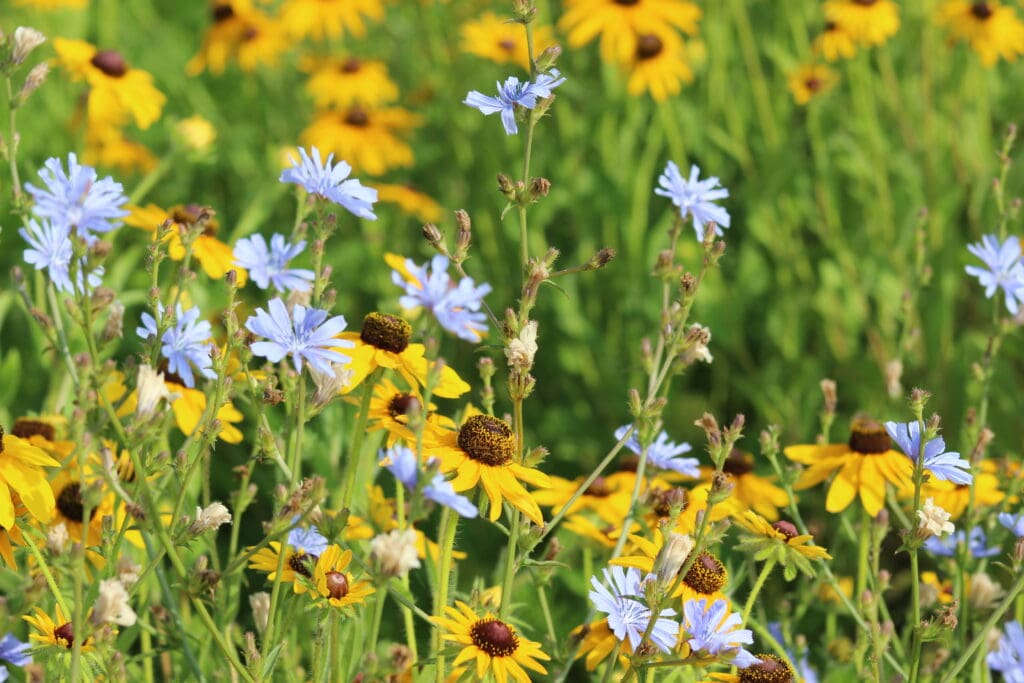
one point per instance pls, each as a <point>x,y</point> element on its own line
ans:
<point>151,390</point>
<point>521,350</point>
<point>934,521</point>
<point>259,603</point>
<point>26,39</point>
<point>112,605</point>
<point>395,552</point>
<point>212,517</point>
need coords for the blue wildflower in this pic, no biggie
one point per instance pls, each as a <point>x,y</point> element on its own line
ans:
<point>403,463</point>
<point>1014,523</point>
<point>514,93</point>
<point>804,671</point>
<point>628,614</point>
<point>945,466</point>
<point>1008,658</point>
<point>710,630</point>
<point>695,197</point>
<point>456,306</point>
<point>305,334</point>
<point>327,181</point>
<point>50,249</point>
<point>1003,269</point>
<point>184,345</point>
<point>77,199</point>
<point>269,265</point>
<point>309,541</point>
<point>663,454</point>
<point>977,544</point>
<point>14,651</point>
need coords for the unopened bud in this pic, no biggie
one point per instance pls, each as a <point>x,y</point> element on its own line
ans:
<point>548,58</point>
<point>829,394</point>
<point>35,78</point>
<point>433,235</point>
<point>26,39</point>
<point>672,557</point>
<point>506,186</point>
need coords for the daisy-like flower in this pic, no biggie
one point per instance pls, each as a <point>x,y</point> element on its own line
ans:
<point>871,22</point>
<point>513,94</point>
<point>501,40</point>
<point>112,148</point>
<point>328,19</point>
<point>780,541</point>
<point>984,489</point>
<point>711,628</point>
<point>22,474</point>
<point>977,544</point>
<point>749,489</point>
<point>617,22</point>
<point>609,496</point>
<point>214,256</point>
<point>695,197</point>
<point>863,467</point>
<point>933,520</point>
<point>185,344</point>
<point>370,138</point>
<point>69,508</point>
<point>15,652</point>
<point>336,586</point>
<point>662,453</point>
<point>993,29</point>
<point>628,614</point>
<point>339,84</point>
<point>1008,657</point>
<point>1003,269</point>
<point>329,182</point>
<point>391,409</point>
<point>302,552</point>
<point>942,465</point>
<point>769,667</point>
<point>706,577</point>
<point>1015,523</point>
<point>835,43</point>
<point>58,632</point>
<point>482,452</point>
<point>403,463</point>
<point>305,335</point>
<point>77,198</point>
<point>490,643</point>
<point>455,305</point>
<point>658,66</point>
<point>268,265</point>
<point>50,249</point>
<point>241,33</point>
<point>810,80</point>
<point>596,642</point>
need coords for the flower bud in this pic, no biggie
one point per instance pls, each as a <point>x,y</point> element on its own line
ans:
<point>210,517</point>
<point>672,556</point>
<point>259,603</point>
<point>112,605</point>
<point>26,39</point>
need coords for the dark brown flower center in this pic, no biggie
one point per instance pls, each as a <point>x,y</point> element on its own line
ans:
<point>831,26</point>
<point>190,214</point>
<point>65,633</point>
<point>648,46</point>
<point>869,437</point>
<point>981,10</point>
<point>487,440</point>
<point>110,62</point>
<point>507,44</point>
<point>627,2</point>
<point>357,117</point>
<point>337,585</point>
<point>25,428</point>
<point>738,463</point>
<point>599,489</point>
<point>865,3</point>
<point>302,563</point>
<point>404,404</point>
<point>222,13</point>
<point>787,529</point>
<point>814,84</point>
<point>351,66</point>
<point>251,33</point>
<point>70,504</point>
<point>771,670</point>
<point>494,637</point>
<point>661,500</point>
<point>707,575</point>
<point>388,332</point>
<point>1,439</point>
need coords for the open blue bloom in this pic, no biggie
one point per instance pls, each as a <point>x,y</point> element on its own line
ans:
<point>710,630</point>
<point>695,197</point>
<point>977,544</point>
<point>1008,658</point>
<point>403,463</point>
<point>269,265</point>
<point>306,335</point>
<point>628,614</point>
<point>309,540</point>
<point>184,345</point>
<point>663,454</point>
<point>1014,523</point>
<point>77,199</point>
<point>1003,269</point>
<point>456,306</point>
<point>804,672</point>
<point>50,249</point>
<point>514,93</point>
<point>945,466</point>
<point>14,651</point>
<point>327,181</point>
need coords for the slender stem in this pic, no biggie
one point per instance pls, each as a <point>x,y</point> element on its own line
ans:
<point>12,143</point>
<point>378,614</point>
<point>915,574</point>
<point>542,598</point>
<point>983,632</point>
<point>449,524</point>
<point>358,435</point>
<point>516,522</point>
<point>761,578</point>
<point>48,575</point>
<point>524,250</point>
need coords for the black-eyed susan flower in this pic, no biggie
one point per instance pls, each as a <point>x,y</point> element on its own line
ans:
<point>368,138</point>
<point>45,432</point>
<point>809,81</point>
<point>749,489</point>
<point>780,542</point>
<point>69,489</point>
<point>706,577</point>
<point>502,40</point>
<point>337,84</point>
<point>22,474</point>
<point>410,200</point>
<point>117,91</point>
<point>492,644</point>
<point>320,19</point>
<point>835,43</point>
<point>618,21</point>
<point>391,408</point>
<point>597,642</point>
<point>384,342</point>
<point>214,256</point>
<point>239,32</point>
<point>992,29</point>
<point>54,632</point>
<point>109,147</point>
<point>609,497</point>
<point>658,65</point>
<point>302,551</point>
<point>482,452</point>
<point>338,587</point>
<point>603,534</point>
<point>9,538</point>
<point>863,467</point>
<point>871,22</point>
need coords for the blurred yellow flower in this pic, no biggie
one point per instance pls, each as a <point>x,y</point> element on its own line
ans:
<point>195,133</point>
<point>502,40</point>
<point>609,497</point>
<point>809,81</point>
<point>749,489</point>
<point>871,22</point>
<point>835,43</point>
<point>659,65</point>
<point>349,82</point>
<point>238,32</point>
<point>320,19</point>
<point>597,641</point>
<point>991,28</point>
<point>411,201</point>
<point>617,23</point>
<point>954,498</point>
<point>107,146</point>
<point>297,563</point>
<point>58,632</point>
<point>390,408</point>
<point>215,257</point>
<point>368,139</point>
<point>52,4</point>
<point>22,475</point>
<point>69,509</point>
<point>45,432</point>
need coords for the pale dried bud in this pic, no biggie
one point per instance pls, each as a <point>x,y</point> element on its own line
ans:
<point>114,327</point>
<point>672,557</point>
<point>698,338</point>
<point>259,603</point>
<point>433,235</point>
<point>26,39</point>
<point>983,592</point>
<point>829,394</point>
<point>112,605</point>
<point>395,552</point>
<point>893,375</point>
<point>933,520</point>
<point>521,350</point>
<point>211,517</point>
<point>35,78</point>
<point>329,386</point>
<point>128,572</point>
<point>151,391</point>
<point>57,538</point>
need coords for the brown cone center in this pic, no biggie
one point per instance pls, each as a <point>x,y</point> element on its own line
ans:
<point>707,575</point>
<point>770,670</point>
<point>487,440</point>
<point>648,46</point>
<point>110,62</point>
<point>65,632</point>
<point>869,437</point>
<point>357,117</point>
<point>387,332</point>
<point>25,428</point>
<point>337,585</point>
<point>981,10</point>
<point>494,637</point>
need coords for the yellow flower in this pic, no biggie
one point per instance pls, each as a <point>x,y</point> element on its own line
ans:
<point>783,532</point>
<point>826,593</point>
<point>609,497</point>
<point>606,535</point>
<point>52,4</point>
<point>809,80</point>
<point>297,563</point>
<point>953,498</point>
<point>214,256</point>
<point>338,587</point>
<point>835,43</point>
<point>116,91</point>
<point>350,82</point>
<point>54,632</point>
<point>109,147</point>
<point>320,19</point>
<point>22,473</point>
<point>658,65</point>
<point>390,408</point>
<point>238,32</point>
<point>43,431</point>
<point>696,501</point>
<point>617,23</point>
<point>503,41</point>
<point>8,539</point>
<point>936,590</point>
<point>383,517</point>
<point>69,507</point>
<point>597,642</point>
<point>195,133</point>
<point>871,22</point>
<point>491,643</point>
<point>706,577</point>
<point>366,138</point>
<point>992,29</point>
<point>749,489</point>
<point>482,452</point>
<point>411,201</point>
<point>863,467</point>
<point>383,342</point>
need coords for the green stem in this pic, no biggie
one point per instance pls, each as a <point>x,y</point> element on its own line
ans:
<point>449,524</point>
<point>761,578</point>
<point>983,632</point>
<point>517,518</point>
<point>12,143</point>
<point>358,435</point>
<point>378,614</point>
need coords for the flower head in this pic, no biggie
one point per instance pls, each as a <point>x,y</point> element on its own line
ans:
<point>662,453</point>
<point>1014,523</point>
<point>628,614</point>
<point>50,249</point>
<point>309,541</point>
<point>113,605</point>
<point>490,643</point>
<point>945,466</point>
<point>306,335</point>
<point>327,181</point>
<point>184,345</point>
<point>711,628</point>
<point>403,463</point>
<point>780,541</point>
<point>77,199</point>
<point>455,305</point>
<point>1008,658</point>
<point>269,265</point>
<point>338,588</point>
<point>211,517</point>
<point>933,520</point>
<point>977,544</point>
<point>1003,269</point>
<point>14,651</point>
<point>695,197</point>
<point>514,93</point>
<point>395,552</point>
